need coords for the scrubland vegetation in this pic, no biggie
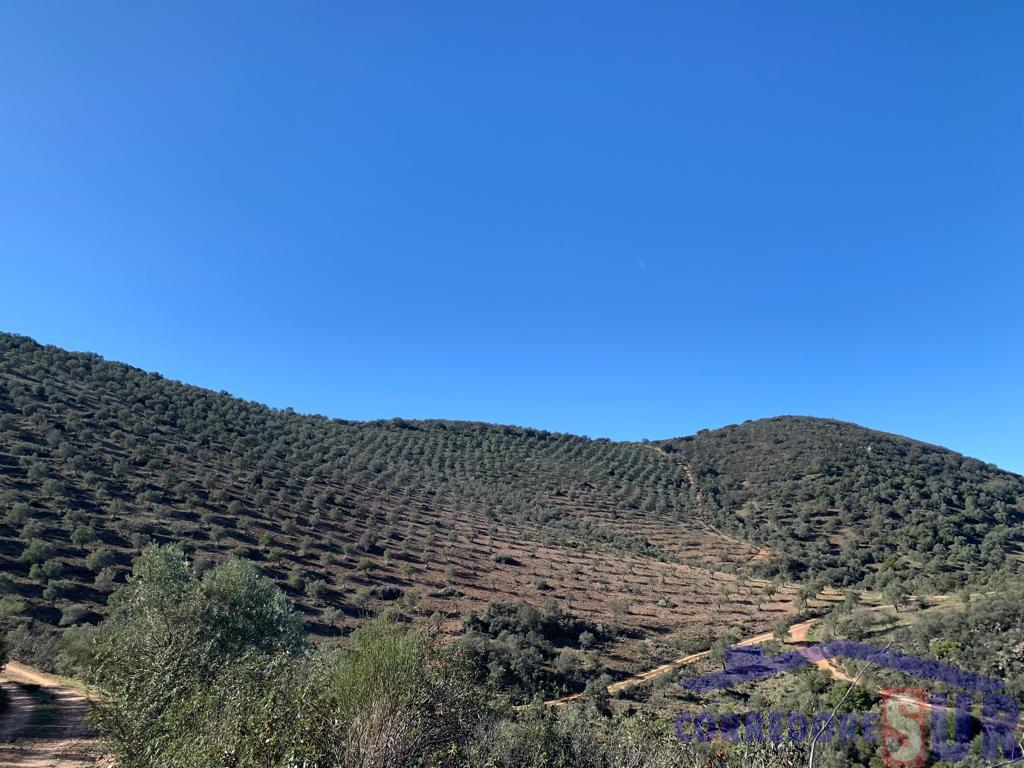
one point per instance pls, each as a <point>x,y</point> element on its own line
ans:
<point>200,671</point>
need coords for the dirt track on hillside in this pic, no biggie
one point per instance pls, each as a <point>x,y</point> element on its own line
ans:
<point>797,633</point>
<point>45,723</point>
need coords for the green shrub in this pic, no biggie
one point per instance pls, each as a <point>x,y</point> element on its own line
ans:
<point>83,534</point>
<point>168,634</point>
<point>73,614</point>
<point>524,651</point>
<point>295,580</point>
<point>17,514</point>
<point>37,551</point>
<point>12,606</point>
<point>316,590</point>
<point>99,559</point>
<point>52,569</point>
<point>32,529</point>
<point>105,580</point>
<point>53,591</point>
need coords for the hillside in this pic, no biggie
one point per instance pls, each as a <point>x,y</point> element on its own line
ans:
<point>841,501</point>
<point>668,539</point>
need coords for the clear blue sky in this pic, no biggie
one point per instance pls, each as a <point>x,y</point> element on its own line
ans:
<point>614,219</point>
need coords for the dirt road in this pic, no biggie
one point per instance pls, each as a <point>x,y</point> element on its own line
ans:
<point>44,725</point>
<point>798,635</point>
<point>798,632</point>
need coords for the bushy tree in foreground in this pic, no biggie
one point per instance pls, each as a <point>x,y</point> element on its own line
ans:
<point>171,634</point>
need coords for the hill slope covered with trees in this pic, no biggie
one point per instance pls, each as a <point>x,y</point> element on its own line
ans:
<point>664,539</point>
<point>841,501</point>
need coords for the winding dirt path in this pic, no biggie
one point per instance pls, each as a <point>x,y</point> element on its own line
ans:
<point>797,633</point>
<point>44,725</point>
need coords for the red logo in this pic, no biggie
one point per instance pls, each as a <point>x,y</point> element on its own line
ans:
<point>904,727</point>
